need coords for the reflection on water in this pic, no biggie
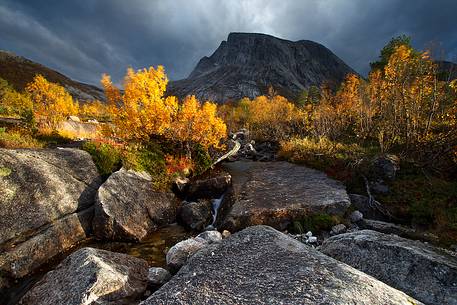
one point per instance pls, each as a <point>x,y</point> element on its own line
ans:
<point>153,249</point>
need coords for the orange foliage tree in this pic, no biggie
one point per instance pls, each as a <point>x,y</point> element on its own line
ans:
<point>143,112</point>
<point>51,102</point>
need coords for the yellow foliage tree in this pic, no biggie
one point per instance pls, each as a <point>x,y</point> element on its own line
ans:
<point>51,102</point>
<point>197,123</point>
<point>142,112</point>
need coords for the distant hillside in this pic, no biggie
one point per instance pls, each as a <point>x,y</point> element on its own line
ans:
<point>247,64</point>
<point>19,71</point>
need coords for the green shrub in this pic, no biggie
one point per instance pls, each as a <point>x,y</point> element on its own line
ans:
<point>106,157</point>
<point>314,223</point>
<point>201,159</point>
<point>149,159</point>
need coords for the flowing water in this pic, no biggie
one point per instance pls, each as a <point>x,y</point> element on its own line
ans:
<point>153,249</point>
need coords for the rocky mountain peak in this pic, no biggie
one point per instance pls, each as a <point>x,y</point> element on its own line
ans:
<point>246,64</point>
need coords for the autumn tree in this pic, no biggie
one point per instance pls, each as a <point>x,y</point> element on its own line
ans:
<point>198,123</point>
<point>13,102</point>
<point>143,113</point>
<point>389,49</point>
<point>51,102</point>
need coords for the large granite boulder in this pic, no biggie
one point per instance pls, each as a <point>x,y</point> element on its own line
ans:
<point>260,265</point>
<point>127,207</point>
<point>91,276</point>
<point>418,269</point>
<point>276,193</point>
<point>46,199</point>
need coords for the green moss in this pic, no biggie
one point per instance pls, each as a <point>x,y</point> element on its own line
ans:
<point>314,223</point>
<point>106,157</point>
<point>150,159</point>
<point>5,171</point>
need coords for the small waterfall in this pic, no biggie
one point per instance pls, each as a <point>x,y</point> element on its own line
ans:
<point>216,204</point>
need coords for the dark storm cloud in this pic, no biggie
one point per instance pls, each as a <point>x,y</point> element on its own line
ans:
<point>85,38</point>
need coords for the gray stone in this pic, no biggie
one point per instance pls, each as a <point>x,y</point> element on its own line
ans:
<point>91,276</point>
<point>127,208</point>
<point>158,276</point>
<point>418,269</point>
<point>356,216</point>
<point>338,229</point>
<point>247,63</point>
<point>260,265</point>
<point>196,215</point>
<point>212,236</point>
<point>178,255</point>
<point>391,228</point>
<point>46,200</point>
<point>276,194</point>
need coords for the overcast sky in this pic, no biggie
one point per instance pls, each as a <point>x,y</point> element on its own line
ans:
<point>85,38</point>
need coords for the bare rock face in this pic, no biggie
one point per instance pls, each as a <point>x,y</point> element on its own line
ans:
<point>260,265</point>
<point>127,208</point>
<point>91,276</point>
<point>277,193</point>
<point>420,270</point>
<point>247,64</point>
<point>46,200</point>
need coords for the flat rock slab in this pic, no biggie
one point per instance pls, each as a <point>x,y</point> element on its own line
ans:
<point>91,276</point>
<point>260,265</point>
<point>127,207</point>
<point>421,270</point>
<point>276,193</point>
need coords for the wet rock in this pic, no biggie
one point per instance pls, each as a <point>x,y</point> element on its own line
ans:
<point>211,236</point>
<point>158,276</point>
<point>91,276</point>
<point>46,199</point>
<point>338,229</point>
<point>260,265</point>
<point>196,215</point>
<point>356,216</point>
<point>178,255</point>
<point>212,187</point>
<point>418,269</point>
<point>127,208</point>
<point>374,211</point>
<point>276,194</point>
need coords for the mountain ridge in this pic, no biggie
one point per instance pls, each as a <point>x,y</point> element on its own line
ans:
<point>246,64</point>
<point>19,71</point>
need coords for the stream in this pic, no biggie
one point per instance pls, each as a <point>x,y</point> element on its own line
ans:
<point>153,249</point>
